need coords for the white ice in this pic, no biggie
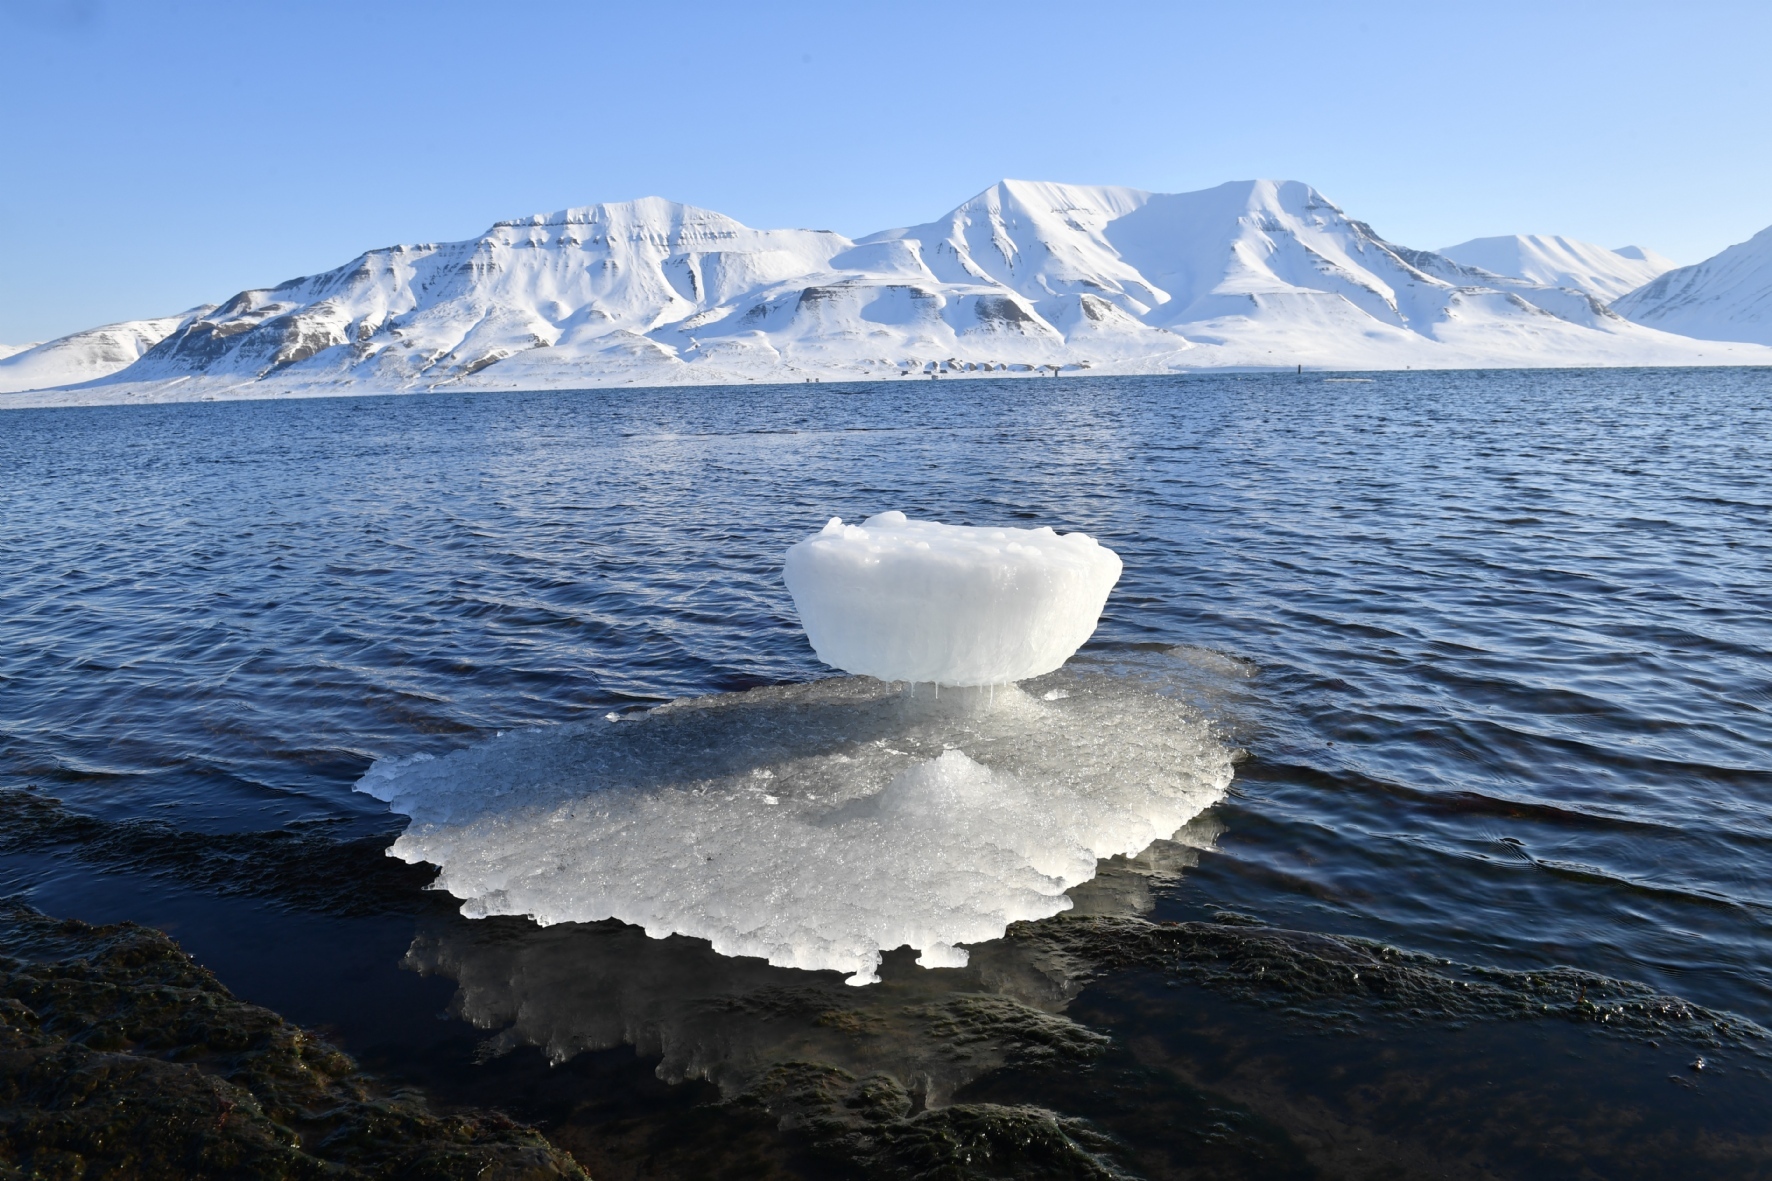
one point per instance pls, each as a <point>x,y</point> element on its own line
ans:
<point>815,825</point>
<point>919,601</point>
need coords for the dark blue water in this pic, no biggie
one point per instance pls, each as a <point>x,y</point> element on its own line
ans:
<point>1513,634</point>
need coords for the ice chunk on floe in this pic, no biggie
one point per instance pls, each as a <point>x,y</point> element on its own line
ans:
<point>907,600</point>
<point>814,825</point>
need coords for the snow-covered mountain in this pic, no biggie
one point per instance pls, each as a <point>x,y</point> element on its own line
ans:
<point>1727,297</point>
<point>85,356</point>
<point>1554,261</point>
<point>7,350</point>
<point>1025,275</point>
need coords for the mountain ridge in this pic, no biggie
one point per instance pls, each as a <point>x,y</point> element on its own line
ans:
<point>1555,261</point>
<point>1025,276</point>
<point>1725,297</point>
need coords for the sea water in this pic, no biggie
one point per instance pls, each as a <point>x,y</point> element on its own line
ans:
<point>1496,645</point>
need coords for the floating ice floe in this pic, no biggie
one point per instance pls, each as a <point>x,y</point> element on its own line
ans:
<point>920,601</point>
<point>815,825</point>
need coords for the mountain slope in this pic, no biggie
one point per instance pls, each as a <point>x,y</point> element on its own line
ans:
<point>1728,297</point>
<point>1553,261</point>
<point>1024,276</point>
<point>579,282</point>
<point>85,356</point>
<point>1258,273</point>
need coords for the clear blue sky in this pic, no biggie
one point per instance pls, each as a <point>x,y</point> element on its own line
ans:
<point>159,155</point>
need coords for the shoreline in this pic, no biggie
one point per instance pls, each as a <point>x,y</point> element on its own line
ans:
<point>187,391</point>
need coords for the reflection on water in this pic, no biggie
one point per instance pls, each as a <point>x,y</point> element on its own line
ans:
<point>1102,1044</point>
<point>1512,712</point>
<point>576,987</point>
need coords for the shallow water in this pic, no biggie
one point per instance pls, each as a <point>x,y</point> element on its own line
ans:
<point>1499,646</point>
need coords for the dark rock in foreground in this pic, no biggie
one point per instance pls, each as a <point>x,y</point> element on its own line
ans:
<point>120,1057</point>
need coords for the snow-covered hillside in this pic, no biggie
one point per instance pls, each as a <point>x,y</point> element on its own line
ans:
<point>1563,262</point>
<point>85,356</point>
<point>1728,297</point>
<point>1023,276</point>
<point>7,350</point>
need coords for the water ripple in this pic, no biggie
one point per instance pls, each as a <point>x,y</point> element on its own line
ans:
<point>1512,631</point>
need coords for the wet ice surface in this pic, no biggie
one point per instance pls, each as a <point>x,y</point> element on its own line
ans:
<point>817,825</point>
<point>1497,643</point>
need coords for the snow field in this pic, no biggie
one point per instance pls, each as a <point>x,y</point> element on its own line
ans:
<point>1724,298</point>
<point>1555,261</point>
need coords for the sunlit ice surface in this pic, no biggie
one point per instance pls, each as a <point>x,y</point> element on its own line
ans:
<point>577,987</point>
<point>816,825</point>
<point>908,600</point>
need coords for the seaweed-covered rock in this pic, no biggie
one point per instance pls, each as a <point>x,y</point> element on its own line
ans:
<point>867,1127</point>
<point>121,1058</point>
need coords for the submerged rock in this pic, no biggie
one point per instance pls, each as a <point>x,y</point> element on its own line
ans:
<point>1340,979</point>
<point>120,1057</point>
<point>307,867</point>
<point>869,1126</point>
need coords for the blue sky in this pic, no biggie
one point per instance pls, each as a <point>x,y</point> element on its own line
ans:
<point>159,155</point>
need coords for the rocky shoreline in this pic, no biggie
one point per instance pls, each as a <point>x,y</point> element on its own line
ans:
<point>121,1057</point>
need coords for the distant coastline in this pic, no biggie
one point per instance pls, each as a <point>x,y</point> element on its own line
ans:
<point>1026,277</point>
